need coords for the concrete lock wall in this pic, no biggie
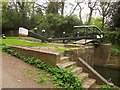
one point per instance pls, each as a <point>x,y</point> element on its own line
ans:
<point>47,57</point>
<point>92,55</point>
<point>102,54</point>
<point>86,53</point>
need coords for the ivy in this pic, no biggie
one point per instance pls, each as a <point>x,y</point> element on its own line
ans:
<point>62,77</point>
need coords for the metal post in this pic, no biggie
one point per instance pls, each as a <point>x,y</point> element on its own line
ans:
<point>63,36</point>
<point>43,33</point>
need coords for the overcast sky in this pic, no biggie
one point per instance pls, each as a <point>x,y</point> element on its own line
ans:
<point>85,10</point>
<point>69,6</point>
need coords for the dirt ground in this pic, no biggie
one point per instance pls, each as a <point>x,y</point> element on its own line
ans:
<point>18,74</point>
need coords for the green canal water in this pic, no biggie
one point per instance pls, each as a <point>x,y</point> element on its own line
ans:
<point>110,74</point>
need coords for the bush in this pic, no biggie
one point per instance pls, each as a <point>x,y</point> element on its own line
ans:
<point>112,37</point>
<point>115,50</point>
<point>65,78</point>
<point>55,24</point>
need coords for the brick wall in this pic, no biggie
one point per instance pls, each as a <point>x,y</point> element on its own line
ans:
<point>49,58</point>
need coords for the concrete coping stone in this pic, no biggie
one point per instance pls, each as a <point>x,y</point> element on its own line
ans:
<point>28,48</point>
<point>78,46</point>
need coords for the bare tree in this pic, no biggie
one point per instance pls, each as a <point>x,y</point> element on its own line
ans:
<point>113,14</point>
<point>55,7</point>
<point>25,11</point>
<point>42,7</point>
<point>80,9</point>
<point>62,4</point>
<point>92,6</point>
<point>105,8</point>
<point>73,9</point>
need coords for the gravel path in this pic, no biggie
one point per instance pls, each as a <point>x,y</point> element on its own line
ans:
<point>14,74</point>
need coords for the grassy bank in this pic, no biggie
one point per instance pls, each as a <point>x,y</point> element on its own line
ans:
<point>10,41</point>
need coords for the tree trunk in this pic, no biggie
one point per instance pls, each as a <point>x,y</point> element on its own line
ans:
<point>62,8</point>
<point>103,20</point>
<point>90,16</point>
<point>80,16</point>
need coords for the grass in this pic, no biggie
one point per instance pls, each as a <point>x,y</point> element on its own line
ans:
<point>29,38</point>
<point>16,41</point>
<point>40,76</point>
<point>62,49</point>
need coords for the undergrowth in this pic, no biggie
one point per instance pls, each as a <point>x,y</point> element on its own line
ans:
<point>105,87</point>
<point>115,50</point>
<point>108,87</point>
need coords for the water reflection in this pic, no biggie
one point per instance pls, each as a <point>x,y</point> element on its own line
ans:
<point>112,75</point>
